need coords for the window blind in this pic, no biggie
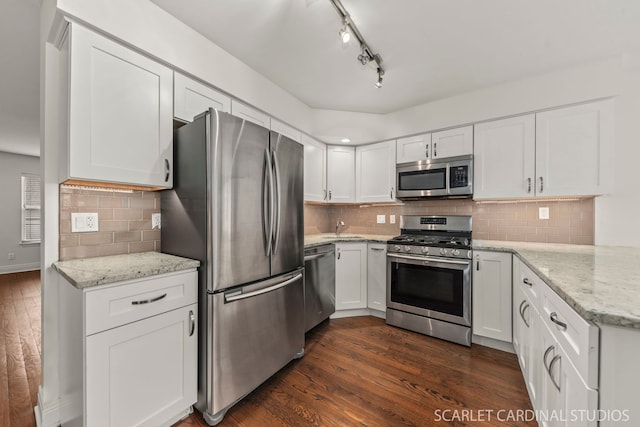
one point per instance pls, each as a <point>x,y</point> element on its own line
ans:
<point>30,208</point>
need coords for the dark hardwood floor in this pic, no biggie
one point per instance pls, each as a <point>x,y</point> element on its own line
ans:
<point>356,371</point>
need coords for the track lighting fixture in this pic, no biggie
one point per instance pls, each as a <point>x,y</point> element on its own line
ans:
<point>348,29</point>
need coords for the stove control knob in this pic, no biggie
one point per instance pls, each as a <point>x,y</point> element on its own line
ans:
<point>455,252</point>
<point>443,251</point>
<point>407,248</point>
<point>396,248</point>
<point>469,254</point>
<point>425,250</point>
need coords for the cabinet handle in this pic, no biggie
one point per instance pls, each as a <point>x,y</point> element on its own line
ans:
<point>544,358</point>
<point>167,170</point>
<point>391,194</point>
<point>329,194</point>
<point>555,359</point>
<point>426,151</point>
<point>338,253</point>
<point>192,322</point>
<point>541,184</point>
<point>435,149</point>
<point>477,262</point>
<point>147,301</point>
<point>527,282</point>
<point>528,185</point>
<point>522,310</point>
<point>554,318</point>
<point>324,197</point>
<point>377,249</point>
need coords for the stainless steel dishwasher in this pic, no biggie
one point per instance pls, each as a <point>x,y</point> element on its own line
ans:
<point>319,284</point>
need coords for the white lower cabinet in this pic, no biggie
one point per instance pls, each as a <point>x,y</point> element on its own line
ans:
<point>128,351</point>
<point>351,276</point>
<point>377,276</point>
<point>492,295</point>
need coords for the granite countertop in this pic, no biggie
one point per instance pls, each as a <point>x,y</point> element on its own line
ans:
<point>602,283</point>
<point>87,272</point>
<point>312,240</point>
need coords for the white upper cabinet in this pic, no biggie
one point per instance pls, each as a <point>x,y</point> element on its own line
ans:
<point>120,124</point>
<point>503,156</point>
<point>315,170</point>
<point>413,148</point>
<point>341,187</point>
<point>376,172</point>
<point>192,98</point>
<point>574,150</point>
<point>286,130</point>
<point>452,142</point>
<point>251,114</point>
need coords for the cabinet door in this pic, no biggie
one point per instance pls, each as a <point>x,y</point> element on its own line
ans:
<point>413,148</point>
<point>452,142</point>
<point>492,295</point>
<point>191,98</point>
<point>120,114</point>
<point>376,172</point>
<point>315,170</point>
<point>341,166</point>
<point>143,373</point>
<point>504,158</point>
<point>286,130</point>
<point>377,276</point>
<point>574,150</point>
<point>351,276</point>
<point>251,114</point>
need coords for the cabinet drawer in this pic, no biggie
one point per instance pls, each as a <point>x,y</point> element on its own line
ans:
<point>577,337</point>
<point>529,282</point>
<point>135,300</point>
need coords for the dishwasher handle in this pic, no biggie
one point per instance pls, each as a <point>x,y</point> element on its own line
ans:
<point>320,255</point>
<point>241,296</point>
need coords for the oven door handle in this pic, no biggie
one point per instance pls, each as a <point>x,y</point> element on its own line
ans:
<point>429,259</point>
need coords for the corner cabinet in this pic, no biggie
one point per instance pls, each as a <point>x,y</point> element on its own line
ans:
<point>376,172</point>
<point>315,170</point>
<point>351,276</point>
<point>192,98</point>
<point>341,186</point>
<point>120,113</point>
<point>128,351</point>
<point>492,295</point>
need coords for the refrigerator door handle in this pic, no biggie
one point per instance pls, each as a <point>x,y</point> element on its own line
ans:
<point>240,296</point>
<point>267,204</point>
<point>278,199</point>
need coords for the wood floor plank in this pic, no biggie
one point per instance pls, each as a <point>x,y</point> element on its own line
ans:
<point>4,377</point>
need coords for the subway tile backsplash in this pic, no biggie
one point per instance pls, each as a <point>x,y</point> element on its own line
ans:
<point>124,222</point>
<point>570,221</point>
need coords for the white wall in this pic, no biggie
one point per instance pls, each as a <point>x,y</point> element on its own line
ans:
<point>27,257</point>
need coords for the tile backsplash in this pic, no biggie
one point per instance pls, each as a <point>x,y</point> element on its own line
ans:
<point>570,221</point>
<point>124,222</point>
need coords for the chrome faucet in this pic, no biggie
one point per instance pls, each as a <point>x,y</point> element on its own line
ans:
<point>339,223</point>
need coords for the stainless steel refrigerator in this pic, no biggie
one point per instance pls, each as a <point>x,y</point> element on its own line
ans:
<point>237,206</point>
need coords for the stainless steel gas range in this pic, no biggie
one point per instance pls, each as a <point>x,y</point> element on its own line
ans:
<point>429,277</point>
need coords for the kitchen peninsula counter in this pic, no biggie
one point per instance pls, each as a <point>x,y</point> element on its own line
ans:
<point>87,272</point>
<point>602,283</point>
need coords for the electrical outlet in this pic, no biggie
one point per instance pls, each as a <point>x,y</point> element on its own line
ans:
<point>543,213</point>
<point>11,256</point>
<point>380,219</point>
<point>392,219</point>
<point>82,222</point>
<point>156,221</point>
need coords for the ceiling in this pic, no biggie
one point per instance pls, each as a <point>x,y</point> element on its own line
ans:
<point>431,49</point>
<point>20,76</point>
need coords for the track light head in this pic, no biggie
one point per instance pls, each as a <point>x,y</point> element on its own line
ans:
<point>380,74</point>
<point>344,33</point>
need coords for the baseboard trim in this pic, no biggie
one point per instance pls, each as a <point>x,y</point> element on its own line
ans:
<point>19,268</point>
<point>47,415</point>
<point>358,312</point>
<point>493,343</point>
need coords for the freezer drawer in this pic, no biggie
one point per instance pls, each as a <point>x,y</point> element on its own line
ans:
<point>256,330</point>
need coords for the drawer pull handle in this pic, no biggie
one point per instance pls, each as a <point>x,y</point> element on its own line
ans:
<point>167,170</point>
<point>544,358</point>
<point>527,282</point>
<point>553,380</point>
<point>192,322</point>
<point>147,301</point>
<point>554,318</point>
<point>522,310</point>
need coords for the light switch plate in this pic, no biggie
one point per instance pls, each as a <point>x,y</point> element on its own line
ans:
<point>156,221</point>
<point>380,219</point>
<point>392,219</point>
<point>82,222</point>
<point>543,213</point>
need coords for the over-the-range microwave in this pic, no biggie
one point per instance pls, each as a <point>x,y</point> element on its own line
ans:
<point>450,177</point>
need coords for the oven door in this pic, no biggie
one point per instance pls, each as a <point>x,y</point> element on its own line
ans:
<point>439,288</point>
<point>421,179</point>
